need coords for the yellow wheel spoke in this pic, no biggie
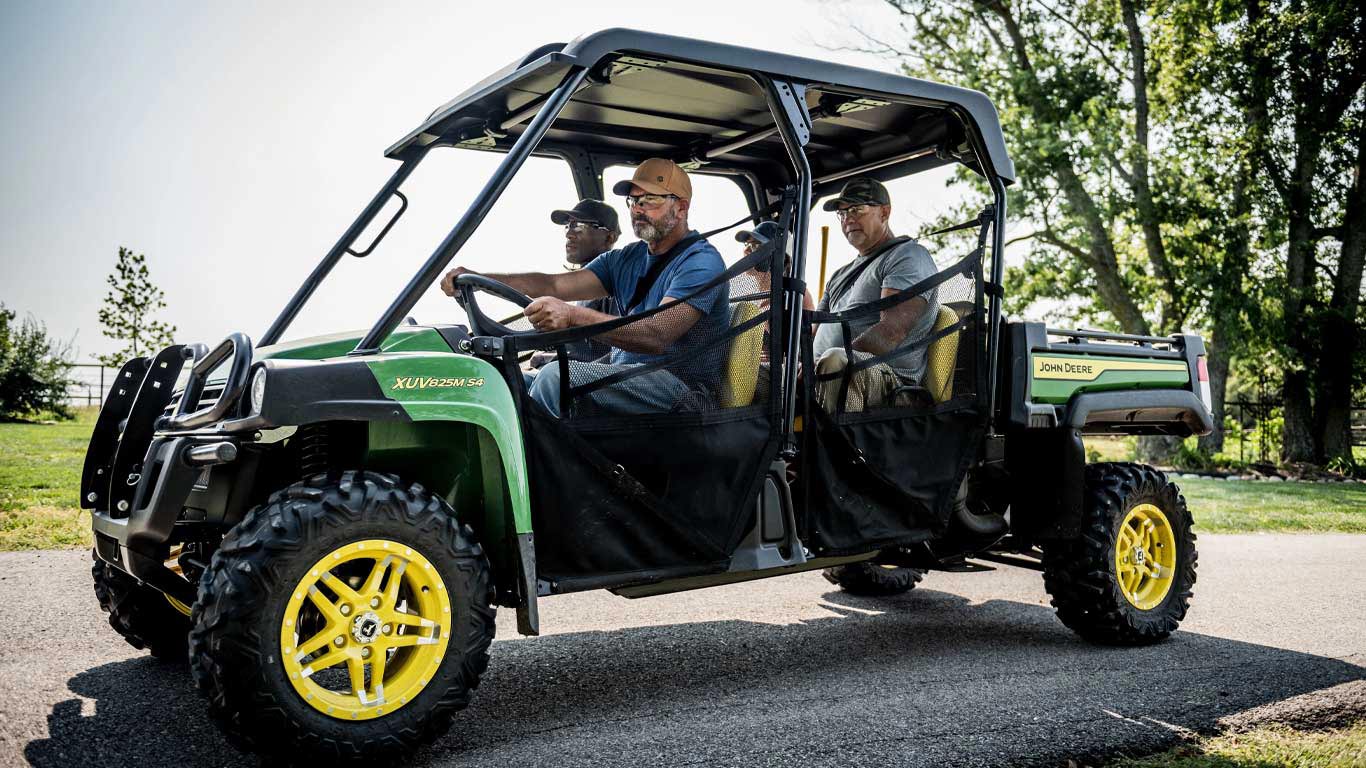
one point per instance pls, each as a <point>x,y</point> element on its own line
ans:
<point>376,576</point>
<point>390,596</point>
<point>326,607</point>
<point>408,641</point>
<point>355,669</point>
<point>377,662</point>
<point>409,620</point>
<point>330,659</point>
<point>1125,540</point>
<point>317,642</point>
<point>343,590</point>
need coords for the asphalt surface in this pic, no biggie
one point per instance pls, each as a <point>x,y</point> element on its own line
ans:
<point>968,669</point>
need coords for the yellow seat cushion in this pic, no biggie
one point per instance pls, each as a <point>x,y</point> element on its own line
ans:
<point>742,359</point>
<point>941,357</point>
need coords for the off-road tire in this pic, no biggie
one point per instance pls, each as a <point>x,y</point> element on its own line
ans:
<point>868,579</point>
<point>234,642</point>
<point>1081,574</point>
<point>141,614</point>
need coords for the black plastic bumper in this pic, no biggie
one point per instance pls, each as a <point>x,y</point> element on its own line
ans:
<point>136,542</point>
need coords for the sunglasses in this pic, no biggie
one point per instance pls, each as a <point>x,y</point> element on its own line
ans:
<point>582,226</point>
<point>647,202</point>
<point>853,210</point>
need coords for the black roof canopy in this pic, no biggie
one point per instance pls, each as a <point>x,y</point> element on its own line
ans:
<point>694,101</point>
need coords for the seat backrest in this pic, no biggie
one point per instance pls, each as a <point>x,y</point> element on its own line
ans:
<point>941,357</point>
<point>742,358</point>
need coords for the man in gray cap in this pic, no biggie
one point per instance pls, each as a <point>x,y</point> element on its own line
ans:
<point>886,265</point>
<point>590,228</point>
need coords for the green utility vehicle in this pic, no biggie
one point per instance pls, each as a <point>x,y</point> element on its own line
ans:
<point>325,527</point>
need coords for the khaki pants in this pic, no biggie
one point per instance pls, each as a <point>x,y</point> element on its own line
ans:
<point>868,388</point>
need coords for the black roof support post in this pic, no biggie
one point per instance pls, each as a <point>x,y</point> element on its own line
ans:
<point>473,216</point>
<point>787,100</point>
<point>329,261</point>
<point>995,287</point>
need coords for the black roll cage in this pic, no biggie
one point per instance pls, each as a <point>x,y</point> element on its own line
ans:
<point>793,123</point>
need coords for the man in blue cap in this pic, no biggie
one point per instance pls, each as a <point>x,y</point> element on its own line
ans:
<point>886,265</point>
<point>590,228</point>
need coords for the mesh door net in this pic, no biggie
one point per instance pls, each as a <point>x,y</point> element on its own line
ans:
<point>883,455</point>
<point>651,468</point>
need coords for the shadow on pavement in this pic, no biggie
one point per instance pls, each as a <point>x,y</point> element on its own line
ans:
<point>968,678</point>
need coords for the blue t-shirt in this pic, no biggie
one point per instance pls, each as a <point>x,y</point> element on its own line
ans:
<point>621,269</point>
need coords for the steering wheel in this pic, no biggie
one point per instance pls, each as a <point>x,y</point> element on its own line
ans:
<point>480,323</point>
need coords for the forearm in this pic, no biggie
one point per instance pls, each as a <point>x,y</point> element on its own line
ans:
<point>651,336</point>
<point>880,339</point>
<point>891,328</point>
<point>533,284</point>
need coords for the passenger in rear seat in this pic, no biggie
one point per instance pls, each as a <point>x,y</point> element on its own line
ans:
<point>886,265</point>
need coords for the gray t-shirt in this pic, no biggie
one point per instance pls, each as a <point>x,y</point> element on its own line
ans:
<point>899,268</point>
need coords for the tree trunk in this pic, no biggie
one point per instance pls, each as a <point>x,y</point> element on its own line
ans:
<point>1144,200</point>
<point>1217,361</point>
<point>1340,333</point>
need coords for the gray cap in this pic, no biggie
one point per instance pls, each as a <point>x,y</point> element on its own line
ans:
<point>860,191</point>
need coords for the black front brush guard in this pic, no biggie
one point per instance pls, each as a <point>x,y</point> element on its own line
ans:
<point>236,345</point>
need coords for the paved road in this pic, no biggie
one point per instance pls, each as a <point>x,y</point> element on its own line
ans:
<point>969,669</point>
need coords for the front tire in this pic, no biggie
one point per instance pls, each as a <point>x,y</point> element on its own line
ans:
<point>347,619</point>
<point>1127,579</point>
<point>143,616</point>
<point>867,579</point>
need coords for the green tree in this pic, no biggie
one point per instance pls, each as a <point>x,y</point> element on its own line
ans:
<point>126,314</point>
<point>1291,74</point>
<point>1122,211</point>
<point>34,369</point>
<point>1184,164</point>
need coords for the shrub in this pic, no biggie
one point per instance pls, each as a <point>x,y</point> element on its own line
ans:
<point>34,369</point>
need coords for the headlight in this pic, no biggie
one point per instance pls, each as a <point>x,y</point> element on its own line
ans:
<point>258,390</point>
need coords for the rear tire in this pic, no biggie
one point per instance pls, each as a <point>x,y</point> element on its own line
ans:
<point>1127,579</point>
<point>142,615</point>
<point>868,579</point>
<point>348,619</point>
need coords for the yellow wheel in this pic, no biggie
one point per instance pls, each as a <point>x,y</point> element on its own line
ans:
<point>1145,556</point>
<point>365,629</point>
<point>1128,578</point>
<point>347,619</point>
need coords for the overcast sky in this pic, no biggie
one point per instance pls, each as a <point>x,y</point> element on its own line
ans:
<point>232,143</point>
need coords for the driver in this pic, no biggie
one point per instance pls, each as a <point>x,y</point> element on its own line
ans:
<point>668,264</point>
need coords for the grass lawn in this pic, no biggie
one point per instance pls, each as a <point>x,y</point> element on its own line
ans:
<point>40,476</point>
<point>1226,506</point>
<point>1271,746</point>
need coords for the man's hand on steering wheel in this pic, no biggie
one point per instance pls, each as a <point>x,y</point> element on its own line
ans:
<point>448,282</point>
<point>551,314</point>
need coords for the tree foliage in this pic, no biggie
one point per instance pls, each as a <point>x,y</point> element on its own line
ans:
<point>1183,165</point>
<point>126,313</point>
<point>34,369</point>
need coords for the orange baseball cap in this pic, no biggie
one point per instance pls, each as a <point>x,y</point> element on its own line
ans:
<point>658,176</point>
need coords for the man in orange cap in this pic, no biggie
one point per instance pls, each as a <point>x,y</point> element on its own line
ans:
<point>666,267</point>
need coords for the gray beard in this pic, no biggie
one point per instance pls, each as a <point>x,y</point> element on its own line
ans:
<point>652,233</point>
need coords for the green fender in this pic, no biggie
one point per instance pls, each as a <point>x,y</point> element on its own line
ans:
<point>441,388</point>
<point>432,386</point>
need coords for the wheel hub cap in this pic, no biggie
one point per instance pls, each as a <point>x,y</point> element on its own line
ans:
<point>366,627</point>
